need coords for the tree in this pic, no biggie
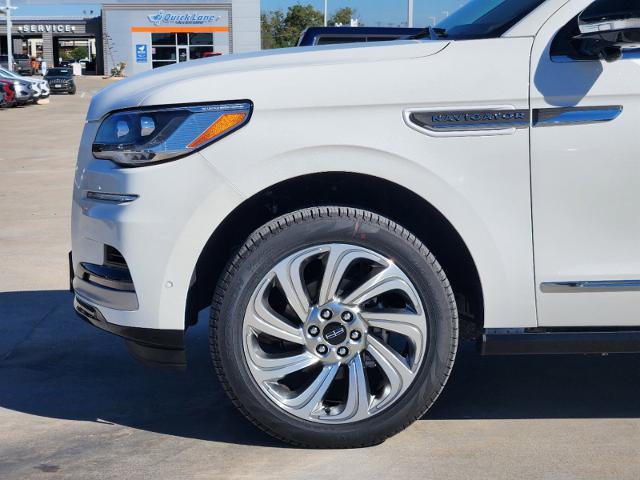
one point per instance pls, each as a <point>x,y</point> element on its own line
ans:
<point>272,26</point>
<point>76,53</point>
<point>280,30</point>
<point>343,16</point>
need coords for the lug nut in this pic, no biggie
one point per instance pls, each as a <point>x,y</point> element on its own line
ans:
<point>314,331</point>
<point>326,314</point>
<point>355,335</point>
<point>343,351</point>
<point>347,316</point>
<point>322,349</point>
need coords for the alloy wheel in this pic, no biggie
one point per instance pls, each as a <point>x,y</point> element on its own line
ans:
<point>335,333</point>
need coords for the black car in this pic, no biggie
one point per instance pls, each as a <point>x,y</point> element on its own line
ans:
<point>333,35</point>
<point>61,80</point>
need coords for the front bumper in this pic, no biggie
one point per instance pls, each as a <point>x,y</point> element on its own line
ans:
<point>63,88</point>
<point>158,237</point>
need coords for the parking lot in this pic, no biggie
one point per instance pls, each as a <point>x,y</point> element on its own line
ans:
<point>74,405</point>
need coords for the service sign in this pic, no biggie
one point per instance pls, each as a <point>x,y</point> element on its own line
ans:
<point>47,28</point>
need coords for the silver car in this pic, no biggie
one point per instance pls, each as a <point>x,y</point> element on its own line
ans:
<point>40,87</point>
<point>24,90</point>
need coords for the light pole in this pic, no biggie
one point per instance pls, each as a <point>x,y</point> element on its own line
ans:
<point>326,12</point>
<point>410,14</point>
<point>7,12</point>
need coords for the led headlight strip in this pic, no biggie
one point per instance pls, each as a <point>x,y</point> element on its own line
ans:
<point>151,135</point>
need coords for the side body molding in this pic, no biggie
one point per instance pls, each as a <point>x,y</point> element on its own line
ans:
<point>503,120</point>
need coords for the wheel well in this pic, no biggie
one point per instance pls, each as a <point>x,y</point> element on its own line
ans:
<point>344,189</point>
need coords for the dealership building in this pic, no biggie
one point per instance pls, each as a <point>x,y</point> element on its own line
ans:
<point>144,35</point>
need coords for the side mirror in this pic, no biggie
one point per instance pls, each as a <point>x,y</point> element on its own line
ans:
<point>607,29</point>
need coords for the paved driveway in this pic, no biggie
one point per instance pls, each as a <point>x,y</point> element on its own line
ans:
<point>74,405</point>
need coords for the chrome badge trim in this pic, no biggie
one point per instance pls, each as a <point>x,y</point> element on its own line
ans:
<point>479,121</point>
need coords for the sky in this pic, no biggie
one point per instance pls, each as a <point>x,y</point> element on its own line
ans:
<point>371,12</point>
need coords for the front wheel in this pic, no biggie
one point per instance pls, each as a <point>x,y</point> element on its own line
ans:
<point>333,328</point>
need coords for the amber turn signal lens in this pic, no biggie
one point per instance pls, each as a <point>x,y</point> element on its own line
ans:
<point>225,123</point>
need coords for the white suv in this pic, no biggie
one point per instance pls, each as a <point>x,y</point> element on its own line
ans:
<point>350,212</point>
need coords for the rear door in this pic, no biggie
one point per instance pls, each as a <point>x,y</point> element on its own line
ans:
<point>585,163</point>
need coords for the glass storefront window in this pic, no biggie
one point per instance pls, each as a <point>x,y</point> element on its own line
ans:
<point>164,53</point>
<point>169,48</point>
<point>163,39</point>
<point>183,39</point>
<point>201,39</point>
<point>200,52</point>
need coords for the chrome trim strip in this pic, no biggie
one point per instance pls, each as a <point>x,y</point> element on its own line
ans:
<point>610,25</point>
<point>467,121</point>
<point>111,197</point>
<point>591,286</point>
<point>555,117</point>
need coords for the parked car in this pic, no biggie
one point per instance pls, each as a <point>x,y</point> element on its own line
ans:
<point>8,93</point>
<point>21,63</point>
<point>336,35</point>
<point>24,92</point>
<point>40,87</point>
<point>60,80</point>
<point>351,213</point>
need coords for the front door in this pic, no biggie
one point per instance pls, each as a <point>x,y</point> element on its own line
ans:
<point>585,160</point>
<point>183,54</point>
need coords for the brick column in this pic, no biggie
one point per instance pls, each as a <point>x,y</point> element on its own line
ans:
<point>47,49</point>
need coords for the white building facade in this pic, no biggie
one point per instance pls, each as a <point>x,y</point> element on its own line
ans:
<point>149,35</point>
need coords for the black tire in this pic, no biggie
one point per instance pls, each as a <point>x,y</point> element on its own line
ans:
<point>314,226</point>
<point>72,91</point>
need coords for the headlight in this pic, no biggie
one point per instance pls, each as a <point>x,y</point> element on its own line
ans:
<point>152,135</point>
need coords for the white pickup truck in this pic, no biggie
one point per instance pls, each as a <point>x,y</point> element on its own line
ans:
<point>350,212</point>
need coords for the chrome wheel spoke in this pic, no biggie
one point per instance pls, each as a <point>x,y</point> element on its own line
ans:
<point>261,318</point>
<point>268,368</point>
<point>289,275</point>
<point>389,279</point>
<point>338,260</point>
<point>308,402</point>
<point>395,368</point>
<point>413,326</point>
<point>357,405</point>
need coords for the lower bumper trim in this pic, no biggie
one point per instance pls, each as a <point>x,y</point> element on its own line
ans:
<point>157,348</point>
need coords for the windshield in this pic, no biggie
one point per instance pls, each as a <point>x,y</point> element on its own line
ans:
<point>485,18</point>
<point>59,72</point>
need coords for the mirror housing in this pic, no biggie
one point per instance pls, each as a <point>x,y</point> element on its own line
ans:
<point>607,29</point>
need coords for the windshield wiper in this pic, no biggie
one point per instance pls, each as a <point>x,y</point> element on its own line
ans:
<point>432,33</point>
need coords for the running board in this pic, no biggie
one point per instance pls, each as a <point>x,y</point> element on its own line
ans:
<point>559,342</point>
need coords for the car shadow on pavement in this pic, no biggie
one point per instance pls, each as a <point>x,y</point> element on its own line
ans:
<point>52,364</point>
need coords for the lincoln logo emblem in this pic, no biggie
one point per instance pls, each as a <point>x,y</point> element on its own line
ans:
<point>334,333</point>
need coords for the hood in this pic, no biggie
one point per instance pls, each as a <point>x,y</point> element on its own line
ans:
<point>240,76</point>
